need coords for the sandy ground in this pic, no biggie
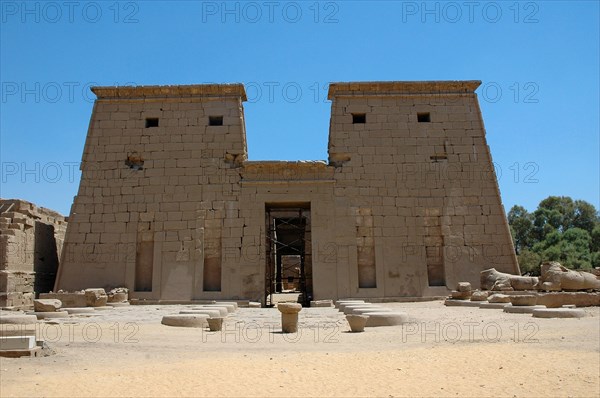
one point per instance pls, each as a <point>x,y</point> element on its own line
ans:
<point>444,351</point>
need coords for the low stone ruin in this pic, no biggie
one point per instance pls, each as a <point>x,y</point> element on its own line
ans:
<point>211,315</point>
<point>493,280</point>
<point>93,297</point>
<point>376,315</point>
<point>555,288</point>
<point>31,241</point>
<point>555,277</point>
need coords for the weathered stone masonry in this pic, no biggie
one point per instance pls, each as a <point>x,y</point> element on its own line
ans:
<point>31,240</point>
<point>170,207</point>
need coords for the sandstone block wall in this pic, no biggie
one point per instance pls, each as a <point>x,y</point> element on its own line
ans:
<point>31,240</point>
<point>169,207</point>
<point>419,171</point>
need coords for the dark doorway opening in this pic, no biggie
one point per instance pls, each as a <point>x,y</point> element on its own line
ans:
<point>289,259</point>
<point>45,260</point>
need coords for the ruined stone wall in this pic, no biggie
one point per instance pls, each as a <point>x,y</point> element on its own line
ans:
<point>414,177</point>
<point>31,240</point>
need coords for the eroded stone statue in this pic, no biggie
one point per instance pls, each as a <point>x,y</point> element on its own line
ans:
<point>556,277</point>
<point>494,280</point>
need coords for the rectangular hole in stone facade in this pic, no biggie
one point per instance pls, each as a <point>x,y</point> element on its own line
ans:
<point>212,274</point>
<point>45,261</point>
<point>215,120</point>
<point>365,249</point>
<point>151,122</point>
<point>437,158</point>
<point>423,117</point>
<point>144,264</point>
<point>289,253</point>
<point>359,118</point>
<point>435,265</point>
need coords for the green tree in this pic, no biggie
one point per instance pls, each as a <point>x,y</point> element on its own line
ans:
<point>596,238</point>
<point>560,229</point>
<point>521,224</point>
<point>529,262</point>
<point>571,248</point>
<point>585,216</point>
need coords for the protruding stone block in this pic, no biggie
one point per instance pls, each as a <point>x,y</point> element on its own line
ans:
<point>95,297</point>
<point>18,319</point>
<point>71,300</point>
<point>523,300</point>
<point>460,295</point>
<point>49,315</point>
<point>480,295</point>
<point>46,305</point>
<point>118,295</point>
<point>463,287</point>
<point>17,342</point>
<point>499,298</point>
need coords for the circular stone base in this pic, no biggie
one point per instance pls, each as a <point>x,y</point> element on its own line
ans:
<point>362,310</point>
<point>235,305</point>
<point>210,313</point>
<point>121,304</point>
<point>105,308</point>
<point>186,320</point>
<point>522,309</point>
<point>342,305</point>
<point>386,318</point>
<point>18,319</point>
<point>493,306</point>
<point>50,315</point>
<point>222,310</point>
<point>348,307</point>
<point>461,303</point>
<point>78,311</point>
<point>230,307</point>
<point>558,313</point>
<point>337,303</point>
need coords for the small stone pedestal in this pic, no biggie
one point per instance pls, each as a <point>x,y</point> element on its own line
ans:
<point>289,316</point>
<point>357,322</point>
<point>215,324</point>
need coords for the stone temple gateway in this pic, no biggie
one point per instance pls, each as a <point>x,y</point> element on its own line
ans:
<point>169,206</point>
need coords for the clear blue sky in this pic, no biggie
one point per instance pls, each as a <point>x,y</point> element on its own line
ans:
<point>539,63</point>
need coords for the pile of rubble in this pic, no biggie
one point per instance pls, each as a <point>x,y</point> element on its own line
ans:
<point>555,294</point>
<point>18,329</point>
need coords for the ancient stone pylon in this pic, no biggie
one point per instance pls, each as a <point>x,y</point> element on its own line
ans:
<point>169,206</point>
